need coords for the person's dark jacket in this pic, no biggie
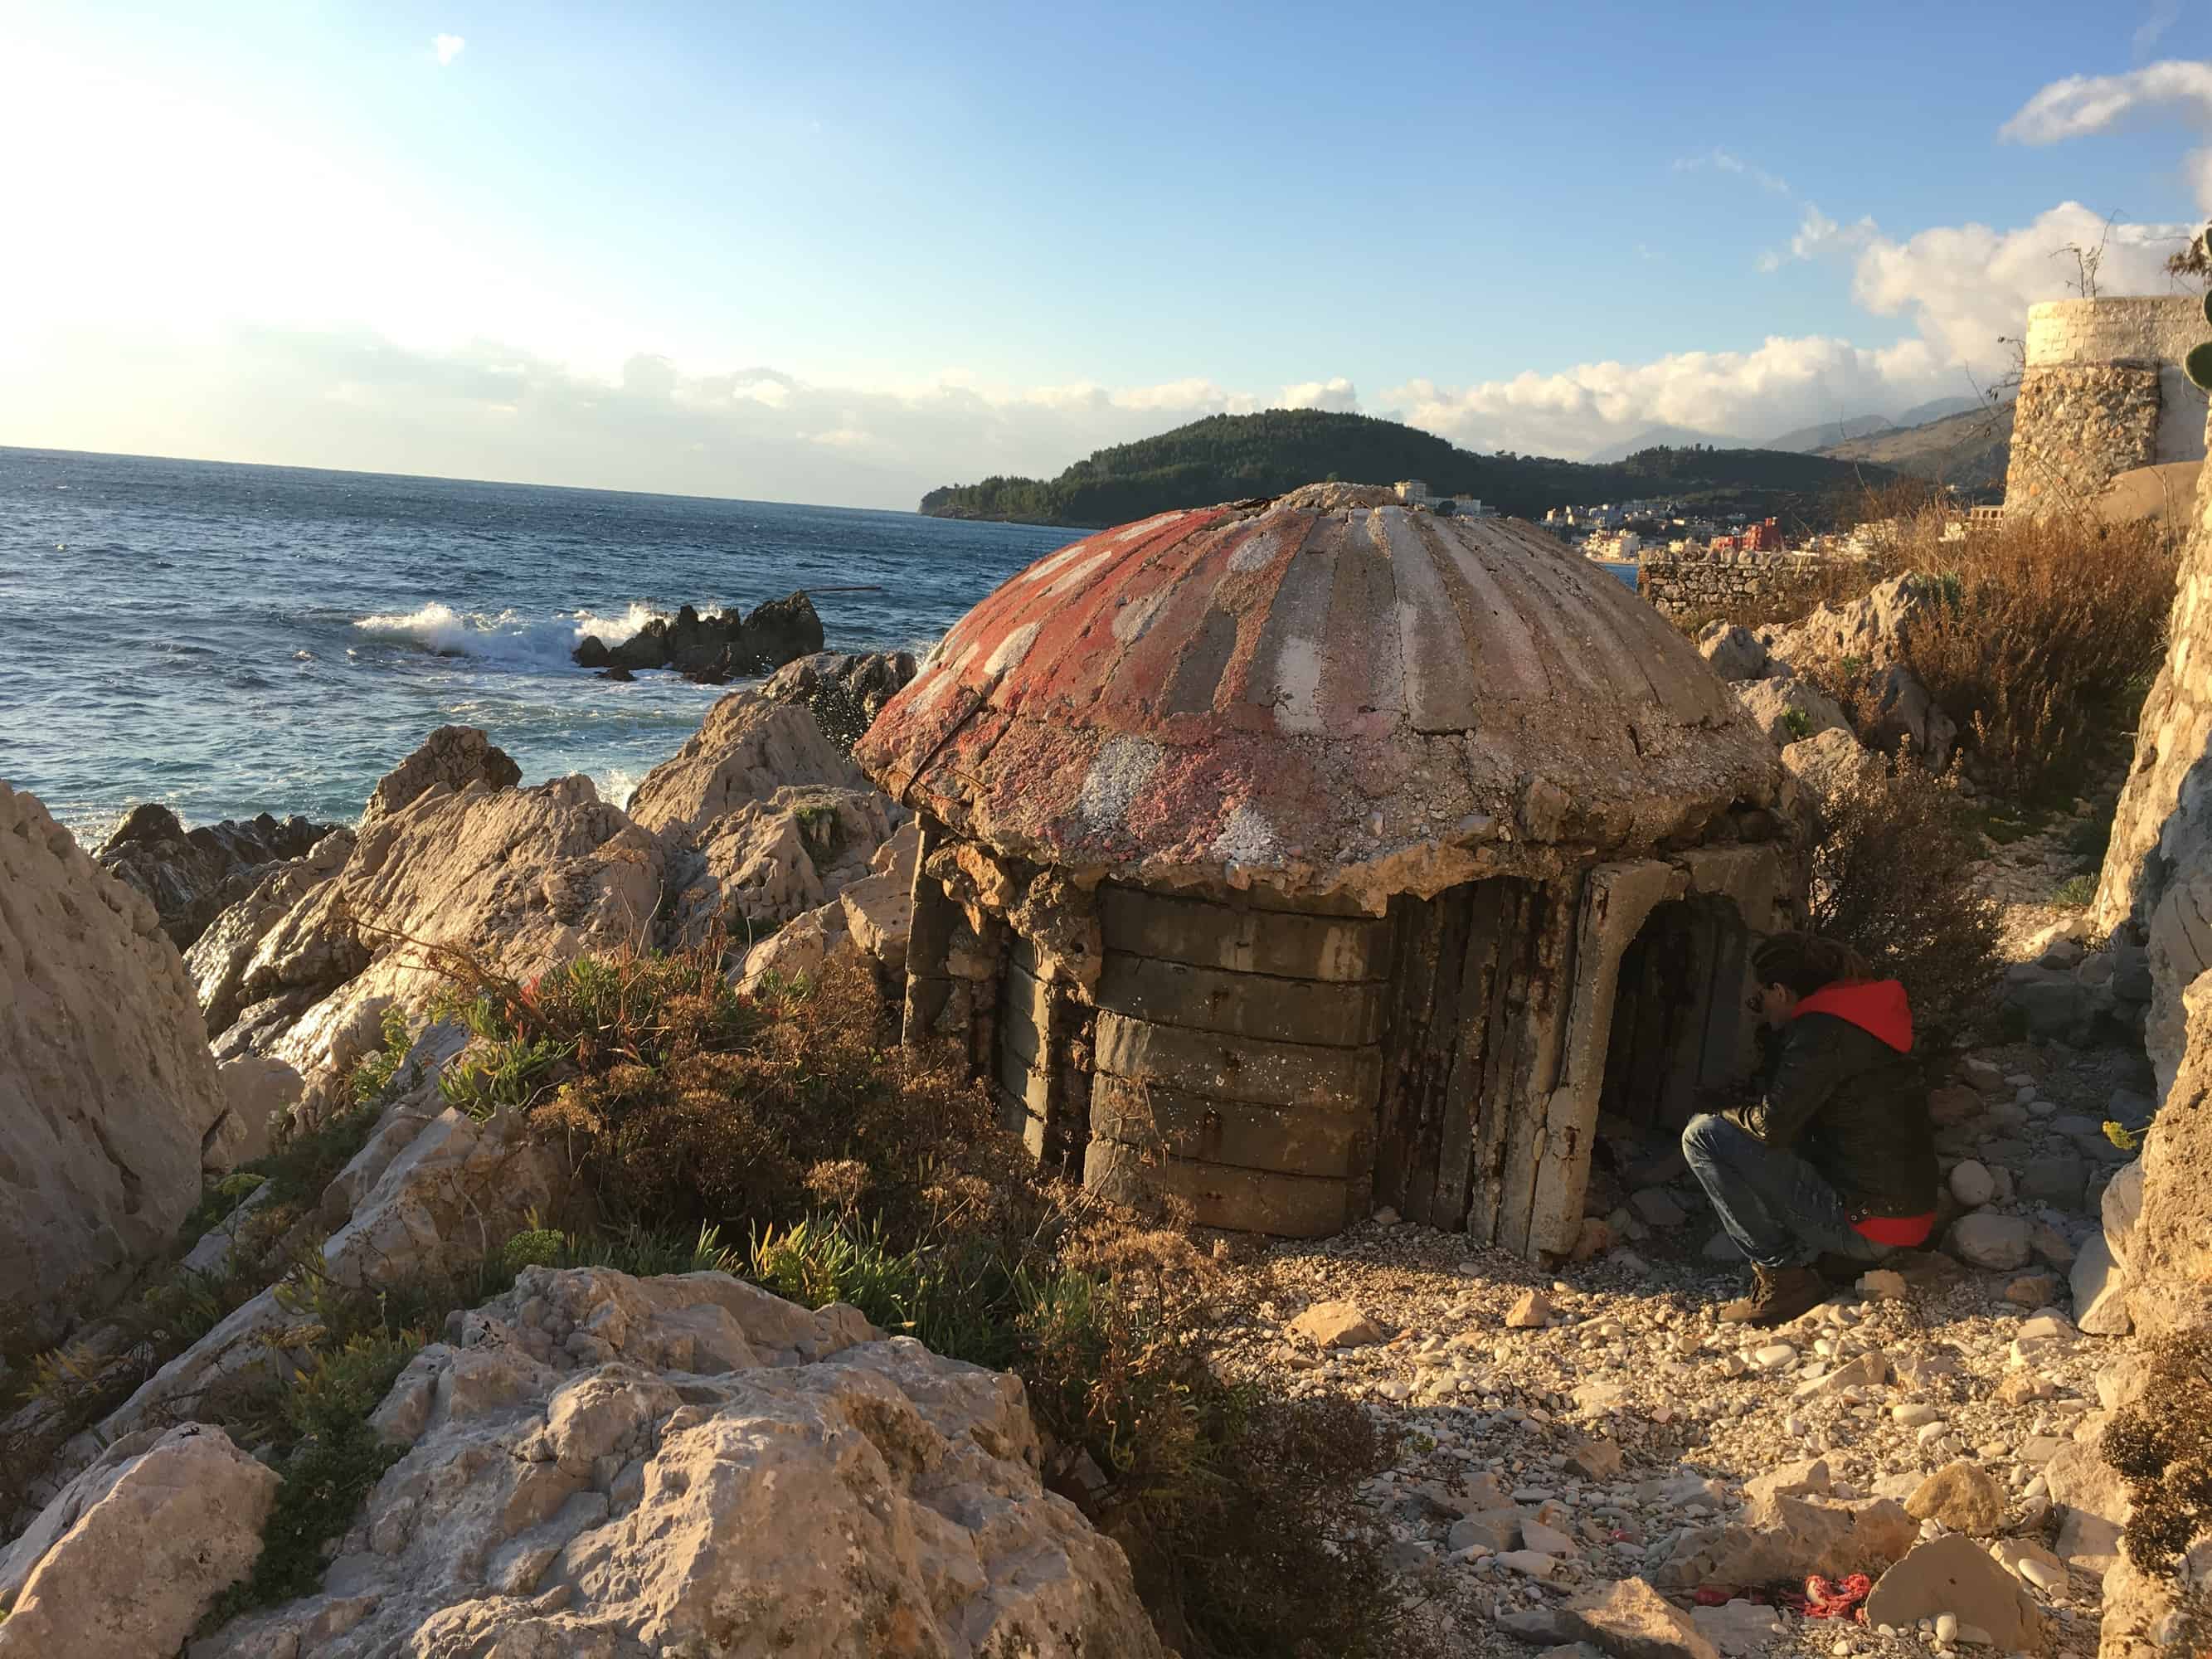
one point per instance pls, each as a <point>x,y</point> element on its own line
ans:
<point>1842,1093</point>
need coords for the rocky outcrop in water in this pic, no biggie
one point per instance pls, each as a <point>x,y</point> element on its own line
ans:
<point>107,1092</point>
<point>716,648</point>
<point>193,875</point>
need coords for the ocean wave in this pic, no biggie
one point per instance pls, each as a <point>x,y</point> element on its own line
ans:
<point>507,637</point>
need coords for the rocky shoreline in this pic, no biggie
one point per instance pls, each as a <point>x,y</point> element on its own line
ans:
<point>712,649</point>
<point>594,1462</point>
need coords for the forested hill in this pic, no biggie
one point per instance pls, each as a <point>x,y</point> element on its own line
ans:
<point>1229,457</point>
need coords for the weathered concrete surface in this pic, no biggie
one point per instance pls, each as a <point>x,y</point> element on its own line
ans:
<point>1323,694</point>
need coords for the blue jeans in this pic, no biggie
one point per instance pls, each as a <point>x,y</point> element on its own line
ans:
<point>1780,1210</point>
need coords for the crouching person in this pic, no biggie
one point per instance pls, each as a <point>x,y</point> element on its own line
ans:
<point>1835,1164</point>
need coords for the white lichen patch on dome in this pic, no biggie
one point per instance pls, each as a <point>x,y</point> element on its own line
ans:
<point>1046,568</point>
<point>1131,621</point>
<point>1247,838</point>
<point>1076,576</point>
<point>1144,526</point>
<point>1124,766</point>
<point>1011,649</point>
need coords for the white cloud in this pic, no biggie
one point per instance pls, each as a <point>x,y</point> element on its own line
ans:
<point>1721,160</point>
<point>1338,396</point>
<point>447,47</point>
<point>2162,16</point>
<point>2083,104</point>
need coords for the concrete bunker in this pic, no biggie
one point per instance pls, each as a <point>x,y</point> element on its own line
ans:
<point>1296,857</point>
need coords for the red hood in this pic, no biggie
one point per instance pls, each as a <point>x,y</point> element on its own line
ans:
<point>1876,1007</point>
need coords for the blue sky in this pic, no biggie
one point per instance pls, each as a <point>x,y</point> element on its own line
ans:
<point>844,253</point>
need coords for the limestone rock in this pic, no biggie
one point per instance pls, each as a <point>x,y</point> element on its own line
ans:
<point>2099,1285</point>
<point>879,912</point>
<point>1972,1183</point>
<point>126,1560</point>
<point>601,1465</point>
<point>1734,652</point>
<point>525,877</point>
<point>1996,1241</point>
<point>452,758</point>
<point>2169,1250</point>
<point>257,1093</point>
<point>1772,703</point>
<point>1741,1629</point>
<point>747,748</point>
<point>193,876</point>
<point>2095,1499</point>
<point>1962,1496</point>
<point>1874,628</point>
<point>1954,1575</point>
<point>107,1091</point>
<point>1829,764</point>
<point>1336,1325</point>
<point>843,691</point>
<point>2120,1209</point>
<point>219,958</point>
<point>801,948</point>
<point>1906,717</point>
<point>1784,1538</point>
<point>1630,1620</point>
<point>1531,1312</point>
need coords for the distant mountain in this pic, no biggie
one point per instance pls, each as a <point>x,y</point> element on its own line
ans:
<point>1667,437</point>
<point>1968,448</point>
<point>1805,440</point>
<point>1231,456</point>
<point>1934,410</point>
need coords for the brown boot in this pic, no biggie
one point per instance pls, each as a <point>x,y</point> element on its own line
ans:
<point>1778,1295</point>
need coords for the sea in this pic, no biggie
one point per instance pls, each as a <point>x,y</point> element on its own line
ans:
<point>230,640</point>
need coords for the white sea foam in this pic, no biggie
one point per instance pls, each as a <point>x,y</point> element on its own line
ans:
<point>507,637</point>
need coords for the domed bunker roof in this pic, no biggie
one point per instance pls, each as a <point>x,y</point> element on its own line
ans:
<point>1326,692</point>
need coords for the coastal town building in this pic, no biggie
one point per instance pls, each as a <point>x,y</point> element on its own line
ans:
<point>1297,858</point>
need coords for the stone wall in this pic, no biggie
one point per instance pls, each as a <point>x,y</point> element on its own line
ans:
<point>1679,585</point>
<point>2102,390</point>
<point>2077,426</point>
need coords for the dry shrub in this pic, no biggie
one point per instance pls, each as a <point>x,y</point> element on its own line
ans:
<point>2162,1444</point>
<point>2044,642</point>
<point>1892,878</point>
<point>867,1173</point>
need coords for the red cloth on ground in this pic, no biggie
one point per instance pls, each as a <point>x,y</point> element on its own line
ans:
<point>1896,1232</point>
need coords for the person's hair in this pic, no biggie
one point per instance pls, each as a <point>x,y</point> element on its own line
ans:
<point>1803,962</point>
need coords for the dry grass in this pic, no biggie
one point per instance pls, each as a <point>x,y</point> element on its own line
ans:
<point>2045,644</point>
<point>1892,878</point>
<point>2163,1444</point>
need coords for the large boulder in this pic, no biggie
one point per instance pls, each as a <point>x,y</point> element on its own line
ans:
<point>843,691</point>
<point>127,1559</point>
<point>193,876</point>
<point>451,758</point>
<point>107,1091</point>
<point>1783,1537</point>
<point>747,748</point>
<point>1831,766</point>
<point>2168,1247</point>
<point>598,1465</point>
<point>524,878</point>
<point>1872,630</point>
<point>218,959</point>
<point>1790,710</point>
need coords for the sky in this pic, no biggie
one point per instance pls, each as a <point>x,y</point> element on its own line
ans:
<point>844,253</point>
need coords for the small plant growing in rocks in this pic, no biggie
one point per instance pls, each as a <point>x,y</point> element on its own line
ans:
<point>2162,1444</point>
